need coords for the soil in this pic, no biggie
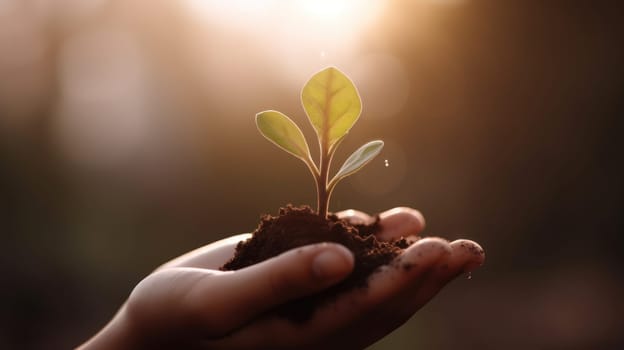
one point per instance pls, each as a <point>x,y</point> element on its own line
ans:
<point>298,226</point>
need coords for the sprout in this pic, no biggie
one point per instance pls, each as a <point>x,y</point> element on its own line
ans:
<point>333,105</point>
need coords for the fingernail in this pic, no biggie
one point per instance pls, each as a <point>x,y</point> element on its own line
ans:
<point>332,263</point>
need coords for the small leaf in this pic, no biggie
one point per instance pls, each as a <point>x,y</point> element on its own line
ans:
<point>358,159</point>
<point>332,104</point>
<point>283,132</point>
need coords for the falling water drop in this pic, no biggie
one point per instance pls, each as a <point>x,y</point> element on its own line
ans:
<point>469,276</point>
<point>386,163</point>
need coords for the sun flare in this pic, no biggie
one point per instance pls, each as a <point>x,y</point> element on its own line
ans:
<point>297,24</point>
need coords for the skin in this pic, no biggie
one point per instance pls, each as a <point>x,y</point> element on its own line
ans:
<point>189,304</point>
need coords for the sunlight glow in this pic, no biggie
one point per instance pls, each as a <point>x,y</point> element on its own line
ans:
<point>342,15</point>
<point>292,31</point>
<point>328,9</point>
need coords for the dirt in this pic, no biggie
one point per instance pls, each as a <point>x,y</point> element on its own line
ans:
<point>298,226</point>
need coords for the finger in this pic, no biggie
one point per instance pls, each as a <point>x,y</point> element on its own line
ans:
<point>400,222</point>
<point>409,271</point>
<point>358,324</point>
<point>355,217</point>
<point>334,318</point>
<point>395,223</point>
<point>210,256</point>
<point>225,302</point>
<point>466,256</point>
<point>468,253</point>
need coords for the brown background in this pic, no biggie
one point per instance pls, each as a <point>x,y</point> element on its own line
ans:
<point>127,138</point>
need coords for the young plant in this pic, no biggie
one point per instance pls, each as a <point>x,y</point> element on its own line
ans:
<point>333,105</point>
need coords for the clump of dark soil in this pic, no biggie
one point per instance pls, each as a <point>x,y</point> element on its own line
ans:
<point>298,226</point>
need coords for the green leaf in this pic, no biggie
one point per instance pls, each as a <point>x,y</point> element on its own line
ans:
<point>332,104</point>
<point>284,133</point>
<point>358,159</point>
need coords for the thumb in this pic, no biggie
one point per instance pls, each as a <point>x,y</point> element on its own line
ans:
<point>214,303</point>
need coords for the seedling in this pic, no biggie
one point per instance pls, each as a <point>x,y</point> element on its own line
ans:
<point>333,105</point>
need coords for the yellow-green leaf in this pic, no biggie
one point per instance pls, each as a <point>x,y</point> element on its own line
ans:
<point>283,132</point>
<point>332,103</point>
<point>358,159</point>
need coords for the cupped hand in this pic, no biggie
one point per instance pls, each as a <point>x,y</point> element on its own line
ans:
<point>189,303</point>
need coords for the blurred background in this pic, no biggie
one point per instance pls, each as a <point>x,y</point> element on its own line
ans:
<point>127,138</point>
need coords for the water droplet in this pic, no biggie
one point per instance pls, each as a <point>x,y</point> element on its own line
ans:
<point>469,276</point>
<point>386,163</point>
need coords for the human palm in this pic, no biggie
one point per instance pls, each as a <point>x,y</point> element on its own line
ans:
<point>189,303</point>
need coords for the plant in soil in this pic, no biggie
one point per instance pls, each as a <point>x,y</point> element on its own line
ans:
<point>333,105</point>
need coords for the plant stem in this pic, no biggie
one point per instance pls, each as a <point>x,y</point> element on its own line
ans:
<point>321,184</point>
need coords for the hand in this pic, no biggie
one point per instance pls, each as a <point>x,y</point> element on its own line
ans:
<point>188,303</point>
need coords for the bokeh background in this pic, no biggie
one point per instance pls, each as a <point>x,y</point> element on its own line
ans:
<point>127,138</point>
